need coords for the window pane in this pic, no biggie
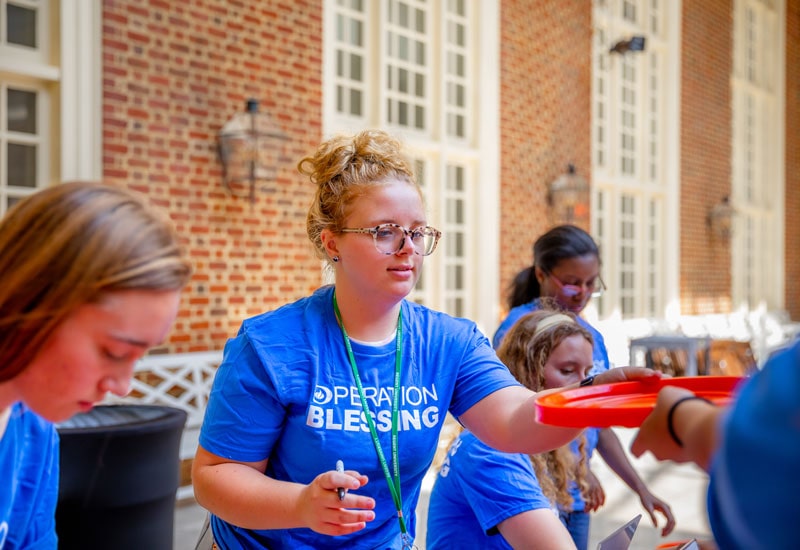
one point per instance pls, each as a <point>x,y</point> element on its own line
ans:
<point>356,33</point>
<point>420,53</point>
<point>21,165</point>
<point>402,80</point>
<point>402,113</point>
<point>21,25</point>
<point>21,109</point>
<point>419,117</point>
<point>355,102</point>
<point>356,72</point>
<point>420,21</point>
<point>403,48</point>
<point>11,201</point>
<point>419,85</point>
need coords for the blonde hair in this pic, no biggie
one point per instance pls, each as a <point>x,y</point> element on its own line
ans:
<point>70,245</point>
<point>345,168</point>
<point>525,349</point>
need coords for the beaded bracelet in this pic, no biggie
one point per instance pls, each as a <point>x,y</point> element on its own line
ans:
<point>671,413</point>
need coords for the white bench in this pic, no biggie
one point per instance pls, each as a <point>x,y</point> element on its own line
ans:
<point>764,330</point>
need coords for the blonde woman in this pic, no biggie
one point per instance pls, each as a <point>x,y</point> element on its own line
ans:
<point>91,279</point>
<point>354,376</point>
<point>487,499</point>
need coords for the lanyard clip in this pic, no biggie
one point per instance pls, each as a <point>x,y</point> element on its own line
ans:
<point>408,542</point>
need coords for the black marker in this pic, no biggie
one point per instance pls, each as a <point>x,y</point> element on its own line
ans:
<point>340,468</point>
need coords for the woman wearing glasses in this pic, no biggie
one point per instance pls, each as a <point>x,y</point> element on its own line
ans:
<point>325,414</point>
<point>566,269</point>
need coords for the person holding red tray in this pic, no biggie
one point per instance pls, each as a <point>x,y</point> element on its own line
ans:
<point>750,449</point>
<point>354,377</point>
<point>566,269</point>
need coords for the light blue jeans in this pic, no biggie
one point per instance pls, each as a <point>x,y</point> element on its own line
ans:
<point>577,523</point>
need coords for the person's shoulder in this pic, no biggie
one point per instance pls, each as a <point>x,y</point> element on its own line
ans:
<point>295,311</point>
<point>789,354</point>
<point>779,378</point>
<point>519,311</point>
<point>522,309</point>
<point>33,425</point>
<point>588,326</point>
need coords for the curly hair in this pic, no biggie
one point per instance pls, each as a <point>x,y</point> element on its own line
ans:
<point>525,350</point>
<point>345,168</point>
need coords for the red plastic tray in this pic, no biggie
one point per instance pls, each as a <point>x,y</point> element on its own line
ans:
<point>624,404</point>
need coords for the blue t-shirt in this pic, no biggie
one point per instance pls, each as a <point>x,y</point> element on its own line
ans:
<point>28,482</point>
<point>599,352</point>
<point>600,364</point>
<point>476,489</point>
<point>753,479</point>
<point>285,392</point>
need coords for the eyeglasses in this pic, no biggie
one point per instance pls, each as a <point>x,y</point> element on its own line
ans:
<point>573,290</point>
<point>390,238</point>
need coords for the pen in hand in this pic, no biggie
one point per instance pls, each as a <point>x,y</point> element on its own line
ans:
<point>340,468</point>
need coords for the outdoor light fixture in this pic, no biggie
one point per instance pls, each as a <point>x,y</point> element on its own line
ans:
<point>250,145</point>
<point>632,44</point>
<point>569,196</point>
<point>720,219</point>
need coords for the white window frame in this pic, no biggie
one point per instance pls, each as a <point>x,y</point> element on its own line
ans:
<point>651,183</point>
<point>70,71</point>
<point>81,113</point>
<point>476,153</point>
<point>757,155</point>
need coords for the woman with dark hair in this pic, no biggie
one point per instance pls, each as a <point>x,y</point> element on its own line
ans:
<point>566,269</point>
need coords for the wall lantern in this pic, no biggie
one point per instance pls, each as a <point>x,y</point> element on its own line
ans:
<point>632,44</point>
<point>720,219</point>
<point>250,146</point>
<point>569,198</point>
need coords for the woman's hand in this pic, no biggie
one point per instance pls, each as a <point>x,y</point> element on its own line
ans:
<point>323,512</point>
<point>627,374</point>
<point>652,503</point>
<point>595,496</point>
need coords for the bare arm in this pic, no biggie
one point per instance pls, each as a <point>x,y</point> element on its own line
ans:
<point>506,419</point>
<point>240,493</point>
<point>536,529</point>
<point>610,448</point>
<point>694,422</point>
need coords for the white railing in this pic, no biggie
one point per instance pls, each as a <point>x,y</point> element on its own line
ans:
<point>764,330</point>
<point>181,380</point>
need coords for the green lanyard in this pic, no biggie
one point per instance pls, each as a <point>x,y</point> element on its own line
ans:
<point>393,482</point>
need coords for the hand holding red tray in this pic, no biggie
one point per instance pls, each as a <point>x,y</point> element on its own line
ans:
<point>624,404</point>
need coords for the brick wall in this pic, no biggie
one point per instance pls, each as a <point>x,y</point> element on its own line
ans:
<point>545,116</point>
<point>173,74</point>
<point>705,149</point>
<point>792,246</point>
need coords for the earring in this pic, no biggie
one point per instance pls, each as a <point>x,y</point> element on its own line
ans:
<point>335,258</point>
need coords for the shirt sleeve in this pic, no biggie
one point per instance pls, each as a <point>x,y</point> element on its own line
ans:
<point>497,485</point>
<point>244,416</point>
